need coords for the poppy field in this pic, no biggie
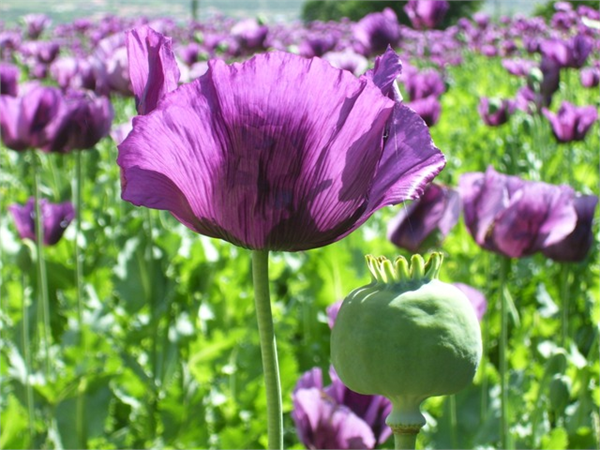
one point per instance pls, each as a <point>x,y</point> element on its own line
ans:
<point>184,206</point>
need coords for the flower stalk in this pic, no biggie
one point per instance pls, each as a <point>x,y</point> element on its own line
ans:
<point>41,263</point>
<point>268,347</point>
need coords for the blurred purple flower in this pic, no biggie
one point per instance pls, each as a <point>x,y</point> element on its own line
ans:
<point>516,218</point>
<point>9,79</point>
<point>334,417</point>
<point>590,77</point>
<point>426,14</point>
<point>119,132</point>
<point>376,31</point>
<point>30,120</point>
<point>571,123</point>
<point>332,312</point>
<point>349,60</point>
<point>518,66</point>
<point>73,73</point>
<point>317,44</point>
<point>568,53</point>
<point>428,108</point>
<point>56,217</point>
<point>423,84</point>
<point>250,34</point>
<point>153,70</point>
<point>279,152</point>
<point>576,245</point>
<point>495,111</point>
<point>84,119</point>
<point>476,298</point>
<point>427,221</point>
<point>35,24</point>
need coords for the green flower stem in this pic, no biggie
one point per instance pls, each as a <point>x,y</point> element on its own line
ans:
<point>27,357</point>
<point>565,285</point>
<point>41,263</point>
<point>268,347</point>
<point>81,396</point>
<point>504,428</point>
<point>78,261</point>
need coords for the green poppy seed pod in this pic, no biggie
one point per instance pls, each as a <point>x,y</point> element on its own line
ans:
<point>406,336</point>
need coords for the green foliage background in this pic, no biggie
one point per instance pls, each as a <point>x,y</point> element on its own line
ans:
<point>325,10</point>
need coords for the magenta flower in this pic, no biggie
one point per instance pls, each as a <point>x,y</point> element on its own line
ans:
<point>590,77</point>
<point>576,246</point>
<point>152,67</point>
<point>428,108</point>
<point>35,24</point>
<point>84,119</point>
<point>516,218</point>
<point>249,34</point>
<point>476,297</point>
<point>9,79</point>
<point>279,152</point>
<point>426,14</point>
<point>375,31</point>
<point>348,60</point>
<point>571,123</point>
<point>56,217</point>
<point>568,53</point>
<point>334,417</point>
<point>427,221</point>
<point>495,111</point>
<point>30,120</point>
<point>423,84</point>
<point>518,66</point>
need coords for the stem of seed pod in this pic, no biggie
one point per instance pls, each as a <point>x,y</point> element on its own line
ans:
<point>268,347</point>
<point>41,263</point>
<point>405,420</point>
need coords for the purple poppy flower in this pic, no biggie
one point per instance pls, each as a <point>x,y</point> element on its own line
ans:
<point>317,44</point>
<point>29,120</point>
<point>56,218</point>
<point>495,111</point>
<point>590,77</point>
<point>9,79</point>
<point>426,14</point>
<point>428,108</point>
<point>518,66</point>
<point>375,31</point>
<point>73,73</point>
<point>110,59</point>
<point>571,123</point>
<point>334,417</point>
<point>427,221</point>
<point>476,297</point>
<point>422,84</point>
<point>152,67</point>
<point>279,152</point>
<point>35,24</point>
<point>249,34</point>
<point>84,119</point>
<point>575,246</point>
<point>118,133</point>
<point>568,53</point>
<point>332,312</point>
<point>516,218</point>
<point>348,60</point>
